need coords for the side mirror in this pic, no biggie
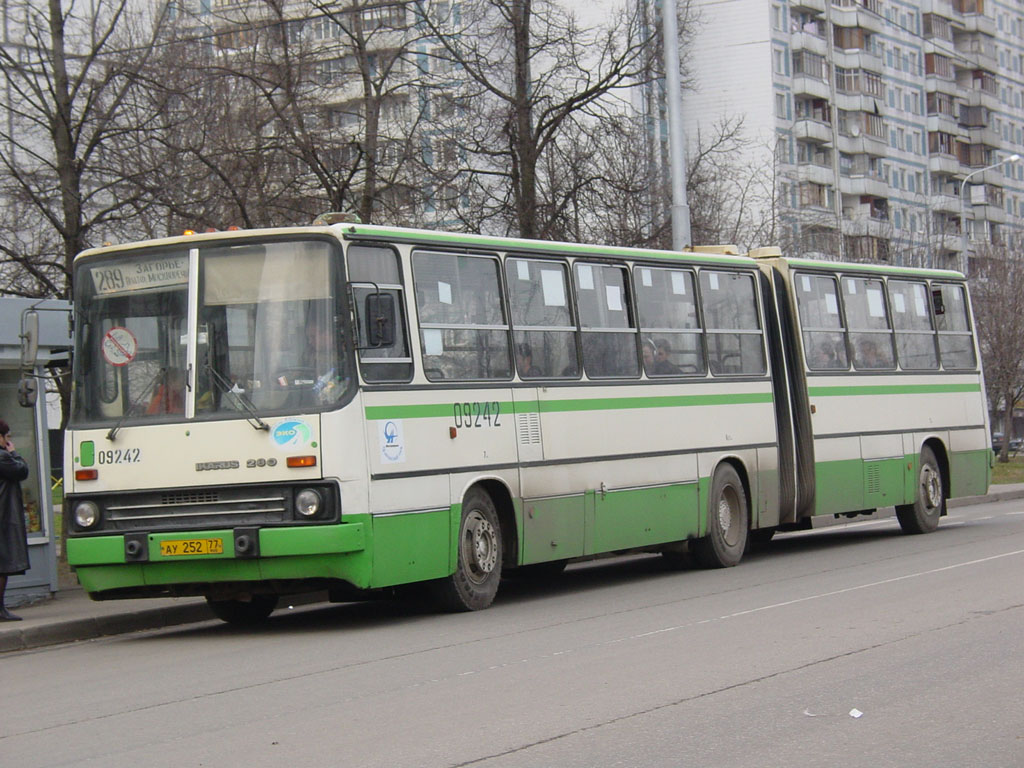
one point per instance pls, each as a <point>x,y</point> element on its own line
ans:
<point>380,320</point>
<point>28,390</point>
<point>29,338</point>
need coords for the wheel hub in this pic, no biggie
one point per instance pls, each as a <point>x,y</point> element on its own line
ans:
<point>479,547</point>
<point>932,488</point>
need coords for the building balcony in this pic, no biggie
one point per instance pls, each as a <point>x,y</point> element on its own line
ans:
<point>944,164</point>
<point>819,174</point>
<point>944,123</point>
<point>856,15</point>
<point>858,102</point>
<point>977,52</point>
<point>989,213</point>
<point>986,136</point>
<point>978,98</point>
<point>857,58</point>
<point>945,204</point>
<point>948,242</point>
<point>812,86</point>
<point>864,144</point>
<point>992,177</point>
<point>943,8</point>
<point>805,41</point>
<point>813,130</point>
<point>978,22</point>
<point>810,5</point>
<point>864,226</point>
<point>863,185</point>
<point>938,84</point>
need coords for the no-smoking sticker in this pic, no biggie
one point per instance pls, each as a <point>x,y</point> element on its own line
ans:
<point>119,346</point>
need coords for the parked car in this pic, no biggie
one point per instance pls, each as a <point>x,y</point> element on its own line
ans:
<point>1016,443</point>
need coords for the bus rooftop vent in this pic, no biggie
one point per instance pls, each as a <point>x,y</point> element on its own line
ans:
<point>336,217</point>
<point>725,250</point>
<point>771,252</point>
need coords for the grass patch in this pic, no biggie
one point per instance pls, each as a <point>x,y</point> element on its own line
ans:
<point>1010,472</point>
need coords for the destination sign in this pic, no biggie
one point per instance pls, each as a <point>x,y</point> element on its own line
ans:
<point>137,276</point>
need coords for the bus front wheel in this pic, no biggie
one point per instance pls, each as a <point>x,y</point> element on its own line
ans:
<point>243,612</point>
<point>726,538</point>
<point>929,500</point>
<point>478,571</point>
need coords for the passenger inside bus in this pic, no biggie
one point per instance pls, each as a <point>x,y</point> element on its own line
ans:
<point>169,396</point>
<point>825,356</point>
<point>662,365</point>
<point>868,356</point>
<point>524,362</point>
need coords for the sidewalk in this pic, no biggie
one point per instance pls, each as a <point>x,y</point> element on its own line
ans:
<point>72,616</point>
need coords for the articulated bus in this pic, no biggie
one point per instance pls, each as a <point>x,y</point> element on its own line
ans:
<point>356,408</point>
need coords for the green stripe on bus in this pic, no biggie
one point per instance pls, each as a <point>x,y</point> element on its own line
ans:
<point>444,410</point>
<point>892,389</point>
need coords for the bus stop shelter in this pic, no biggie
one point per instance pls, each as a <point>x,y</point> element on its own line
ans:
<point>30,432</point>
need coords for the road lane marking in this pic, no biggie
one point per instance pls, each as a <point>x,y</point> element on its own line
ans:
<point>833,593</point>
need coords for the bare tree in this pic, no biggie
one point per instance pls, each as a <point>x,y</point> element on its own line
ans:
<point>997,292</point>
<point>526,72</point>
<point>288,109</point>
<point>70,100</point>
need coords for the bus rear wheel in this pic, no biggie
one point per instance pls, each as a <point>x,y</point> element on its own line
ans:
<point>726,538</point>
<point>478,571</point>
<point>243,612</point>
<point>929,501</point>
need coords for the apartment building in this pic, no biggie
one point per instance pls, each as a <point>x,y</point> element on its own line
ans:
<point>885,123</point>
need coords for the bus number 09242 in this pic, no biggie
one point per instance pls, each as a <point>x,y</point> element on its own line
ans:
<point>473,415</point>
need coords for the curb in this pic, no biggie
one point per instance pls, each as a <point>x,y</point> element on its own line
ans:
<point>101,626</point>
<point>991,498</point>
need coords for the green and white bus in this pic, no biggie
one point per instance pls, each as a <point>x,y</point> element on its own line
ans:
<point>354,408</point>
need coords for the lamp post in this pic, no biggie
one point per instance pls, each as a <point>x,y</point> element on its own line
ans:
<point>963,205</point>
<point>680,212</point>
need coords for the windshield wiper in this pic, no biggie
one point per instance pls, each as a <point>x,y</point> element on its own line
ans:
<point>240,397</point>
<point>134,403</point>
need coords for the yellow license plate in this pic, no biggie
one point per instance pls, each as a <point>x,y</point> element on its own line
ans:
<point>176,547</point>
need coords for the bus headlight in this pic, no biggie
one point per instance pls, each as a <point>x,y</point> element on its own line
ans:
<point>87,514</point>
<point>308,503</point>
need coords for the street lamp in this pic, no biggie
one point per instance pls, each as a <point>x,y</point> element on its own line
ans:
<point>963,205</point>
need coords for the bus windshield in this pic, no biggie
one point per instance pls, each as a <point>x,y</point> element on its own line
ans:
<point>266,336</point>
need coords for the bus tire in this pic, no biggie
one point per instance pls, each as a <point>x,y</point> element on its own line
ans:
<point>243,612</point>
<point>478,571</point>
<point>728,519</point>
<point>929,500</point>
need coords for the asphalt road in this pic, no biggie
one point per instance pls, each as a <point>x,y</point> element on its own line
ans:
<point>847,646</point>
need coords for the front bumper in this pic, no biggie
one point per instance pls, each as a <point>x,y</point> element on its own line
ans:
<point>110,564</point>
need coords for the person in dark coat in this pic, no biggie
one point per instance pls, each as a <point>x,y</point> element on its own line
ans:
<point>13,541</point>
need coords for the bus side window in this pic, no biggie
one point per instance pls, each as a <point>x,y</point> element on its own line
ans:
<point>956,343</point>
<point>371,269</point>
<point>912,321</point>
<point>821,323</point>
<point>543,330</point>
<point>868,320</point>
<point>609,335</point>
<point>463,332</point>
<point>729,303</point>
<point>670,332</point>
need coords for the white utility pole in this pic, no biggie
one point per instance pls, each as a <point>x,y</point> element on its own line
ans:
<point>676,138</point>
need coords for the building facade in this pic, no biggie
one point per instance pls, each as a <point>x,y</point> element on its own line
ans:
<point>884,123</point>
